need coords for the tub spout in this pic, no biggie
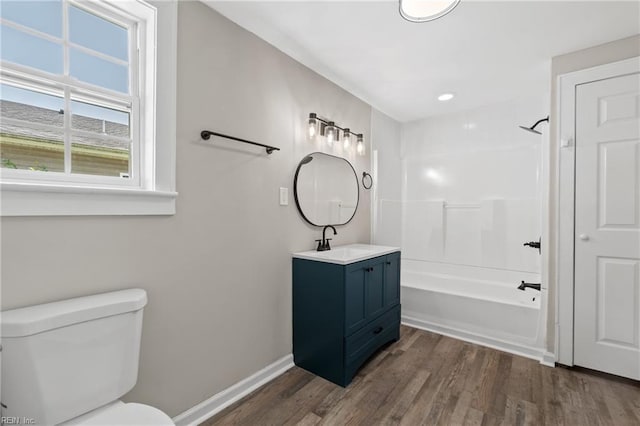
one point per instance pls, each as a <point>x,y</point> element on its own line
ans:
<point>524,285</point>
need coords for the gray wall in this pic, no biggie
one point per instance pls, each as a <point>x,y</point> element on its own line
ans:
<point>218,273</point>
<point>587,58</point>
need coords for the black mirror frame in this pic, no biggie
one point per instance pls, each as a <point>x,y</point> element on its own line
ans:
<point>295,189</point>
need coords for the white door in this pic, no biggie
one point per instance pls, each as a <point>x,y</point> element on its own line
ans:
<point>607,226</point>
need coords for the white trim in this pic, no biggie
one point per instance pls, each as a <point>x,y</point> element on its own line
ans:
<point>221,400</point>
<point>565,194</point>
<point>55,200</point>
<point>19,177</point>
<point>545,236</point>
<point>66,72</point>
<point>478,339</point>
<point>166,44</point>
<point>548,359</point>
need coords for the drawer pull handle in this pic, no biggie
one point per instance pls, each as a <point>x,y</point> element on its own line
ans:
<point>369,269</point>
<point>388,263</point>
<point>378,330</point>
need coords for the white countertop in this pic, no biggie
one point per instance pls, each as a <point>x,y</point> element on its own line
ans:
<point>344,255</point>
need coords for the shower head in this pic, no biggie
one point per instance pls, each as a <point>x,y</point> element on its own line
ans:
<point>532,129</point>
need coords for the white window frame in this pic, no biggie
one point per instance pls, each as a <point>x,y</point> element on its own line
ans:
<point>151,188</point>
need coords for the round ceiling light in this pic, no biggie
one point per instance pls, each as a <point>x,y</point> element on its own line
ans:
<point>446,97</point>
<point>426,10</point>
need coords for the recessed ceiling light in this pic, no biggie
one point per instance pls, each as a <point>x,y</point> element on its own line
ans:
<point>446,97</point>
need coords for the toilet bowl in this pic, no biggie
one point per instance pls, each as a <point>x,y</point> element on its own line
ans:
<point>70,362</point>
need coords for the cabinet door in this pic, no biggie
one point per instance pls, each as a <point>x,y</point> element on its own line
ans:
<point>374,290</point>
<point>392,280</point>
<point>355,285</point>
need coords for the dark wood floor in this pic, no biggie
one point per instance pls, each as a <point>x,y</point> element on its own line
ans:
<point>430,379</point>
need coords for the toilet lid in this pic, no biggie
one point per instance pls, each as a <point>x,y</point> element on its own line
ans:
<point>125,414</point>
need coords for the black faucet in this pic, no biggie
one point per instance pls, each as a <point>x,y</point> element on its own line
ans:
<point>323,245</point>
<point>524,285</point>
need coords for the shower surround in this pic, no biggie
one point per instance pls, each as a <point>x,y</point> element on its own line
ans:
<point>468,197</point>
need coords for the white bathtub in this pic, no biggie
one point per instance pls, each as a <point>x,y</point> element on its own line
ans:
<point>475,304</point>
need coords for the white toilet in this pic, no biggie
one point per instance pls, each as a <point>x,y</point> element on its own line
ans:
<point>68,362</point>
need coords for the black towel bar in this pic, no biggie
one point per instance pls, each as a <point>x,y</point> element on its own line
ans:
<point>206,134</point>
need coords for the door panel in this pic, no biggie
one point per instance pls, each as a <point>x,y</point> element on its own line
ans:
<point>618,107</point>
<point>375,289</point>
<point>617,300</point>
<point>355,313</point>
<point>392,280</point>
<point>618,187</point>
<point>607,226</point>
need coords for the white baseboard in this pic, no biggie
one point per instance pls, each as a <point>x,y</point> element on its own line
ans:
<point>490,342</point>
<point>548,359</point>
<point>223,399</point>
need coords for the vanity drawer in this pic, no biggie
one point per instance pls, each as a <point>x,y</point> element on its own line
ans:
<point>364,342</point>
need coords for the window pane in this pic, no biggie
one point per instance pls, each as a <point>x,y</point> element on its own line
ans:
<point>96,156</point>
<point>98,34</point>
<point>31,106</point>
<point>100,72</point>
<point>97,119</point>
<point>39,150</point>
<point>22,146</point>
<point>44,16</point>
<point>31,51</point>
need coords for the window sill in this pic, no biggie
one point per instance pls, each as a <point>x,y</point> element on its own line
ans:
<point>22,199</point>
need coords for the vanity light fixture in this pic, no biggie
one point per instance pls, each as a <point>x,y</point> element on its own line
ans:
<point>426,10</point>
<point>329,129</point>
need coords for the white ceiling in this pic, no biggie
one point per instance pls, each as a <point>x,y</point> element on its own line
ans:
<point>484,52</point>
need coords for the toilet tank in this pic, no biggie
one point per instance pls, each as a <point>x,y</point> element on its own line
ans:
<point>64,359</point>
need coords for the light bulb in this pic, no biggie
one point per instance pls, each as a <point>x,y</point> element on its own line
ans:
<point>347,138</point>
<point>330,133</point>
<point>313,125</point>
<point>360,145</point>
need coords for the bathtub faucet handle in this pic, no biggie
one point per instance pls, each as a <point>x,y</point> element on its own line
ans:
<point>534,244</point>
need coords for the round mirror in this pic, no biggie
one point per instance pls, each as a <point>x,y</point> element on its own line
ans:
<point>326,189</point>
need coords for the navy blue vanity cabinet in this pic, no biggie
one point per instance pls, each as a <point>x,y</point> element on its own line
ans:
<point>342,314</point>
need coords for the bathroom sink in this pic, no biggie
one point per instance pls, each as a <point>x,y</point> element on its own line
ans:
<point>344,255</point>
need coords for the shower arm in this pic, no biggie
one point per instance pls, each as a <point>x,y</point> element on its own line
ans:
<point>542,120</point>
